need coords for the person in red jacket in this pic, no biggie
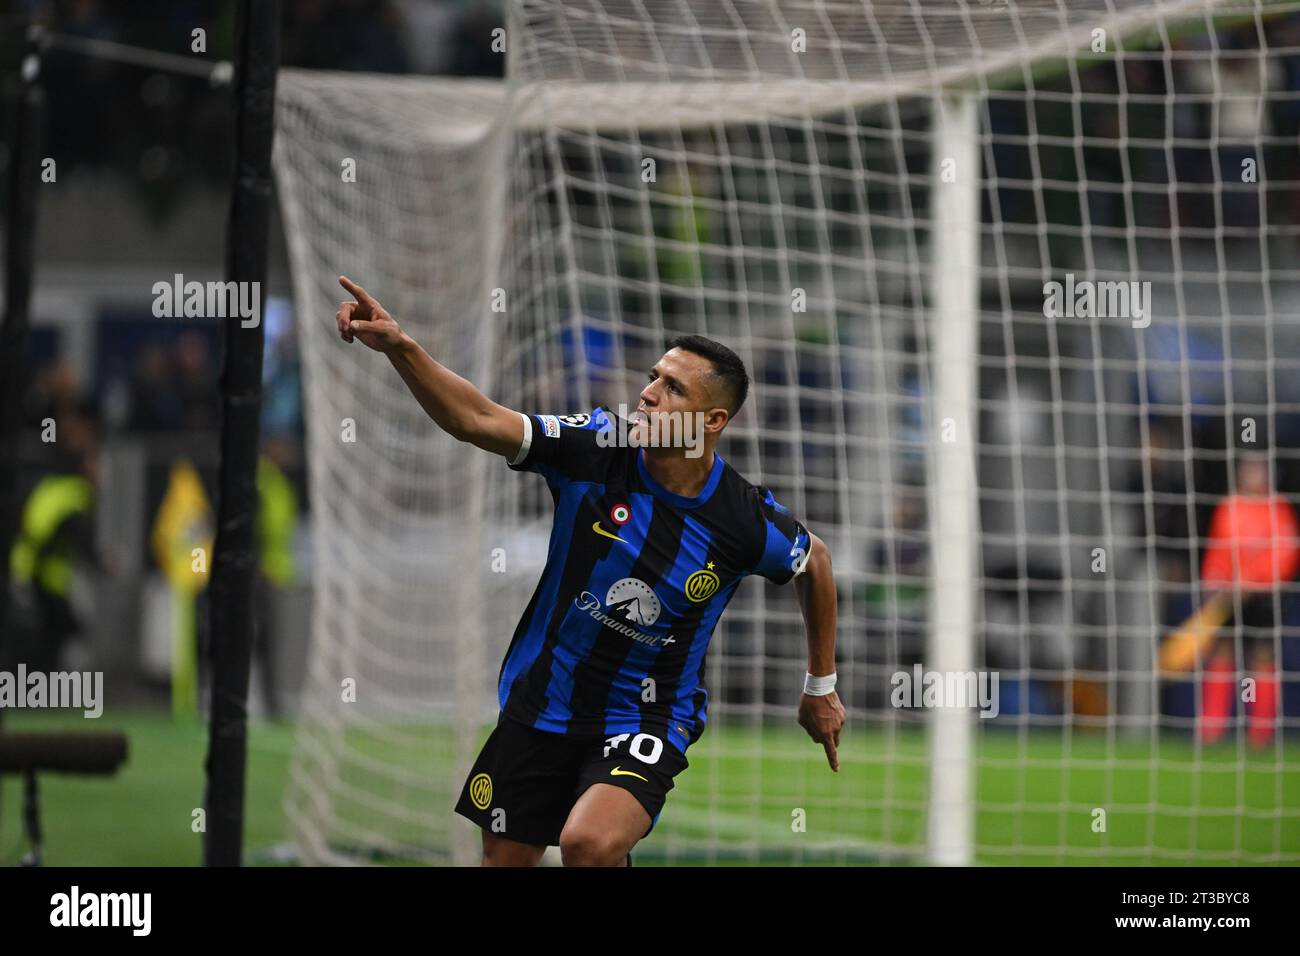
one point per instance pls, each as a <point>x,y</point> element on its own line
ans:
<point>1253,548</point>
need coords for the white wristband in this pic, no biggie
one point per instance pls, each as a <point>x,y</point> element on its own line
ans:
<point>819,686</point>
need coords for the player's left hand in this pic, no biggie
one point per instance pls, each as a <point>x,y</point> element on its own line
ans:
<point>823,716</point>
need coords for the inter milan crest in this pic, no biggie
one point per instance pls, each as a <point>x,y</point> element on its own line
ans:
<point>702,585</point>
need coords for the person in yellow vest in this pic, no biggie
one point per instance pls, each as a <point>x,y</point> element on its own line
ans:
<point>276,529</point>
<point>56,531</point>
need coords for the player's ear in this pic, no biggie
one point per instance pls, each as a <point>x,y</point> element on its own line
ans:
<point>715,419</point>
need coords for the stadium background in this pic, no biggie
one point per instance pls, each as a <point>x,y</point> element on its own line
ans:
<point>144,171</point>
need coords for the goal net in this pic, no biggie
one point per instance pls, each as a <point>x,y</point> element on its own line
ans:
<point>1013,281</point>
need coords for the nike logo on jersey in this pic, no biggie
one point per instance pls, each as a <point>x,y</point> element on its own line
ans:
<point>617,772</point>
<point>603,533</point>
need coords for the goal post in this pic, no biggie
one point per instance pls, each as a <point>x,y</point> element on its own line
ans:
<point>871,204</point>
<point>953,483</point>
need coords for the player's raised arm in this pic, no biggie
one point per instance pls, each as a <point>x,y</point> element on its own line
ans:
<point>459,408</point>
<point>820,714</point>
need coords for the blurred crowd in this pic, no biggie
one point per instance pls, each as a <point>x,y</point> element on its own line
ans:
<point>171,388</point>
<point>167,384</point>
<point>1219,109</point>
<point>1216,96</point>
<point>157,129</point>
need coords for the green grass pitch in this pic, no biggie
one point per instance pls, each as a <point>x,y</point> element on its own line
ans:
<point>753,794</point>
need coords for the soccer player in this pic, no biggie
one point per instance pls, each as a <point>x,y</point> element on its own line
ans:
<point>1254,548</point>
<point>601,690</point>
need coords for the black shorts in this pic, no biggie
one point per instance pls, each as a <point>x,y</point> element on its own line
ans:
<point>525,781</point>
<point>1257,624</point>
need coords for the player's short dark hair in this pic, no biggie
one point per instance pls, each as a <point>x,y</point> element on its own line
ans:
<point>727,367</point>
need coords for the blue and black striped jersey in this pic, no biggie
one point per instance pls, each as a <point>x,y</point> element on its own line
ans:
<point>614,638</point>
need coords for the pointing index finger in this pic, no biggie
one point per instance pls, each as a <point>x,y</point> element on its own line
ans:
<point>359,293</point>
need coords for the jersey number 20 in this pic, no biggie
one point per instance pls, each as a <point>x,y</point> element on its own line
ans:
<point>640,743</point>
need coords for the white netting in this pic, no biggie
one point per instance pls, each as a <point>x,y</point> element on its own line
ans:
<point>652,168</point>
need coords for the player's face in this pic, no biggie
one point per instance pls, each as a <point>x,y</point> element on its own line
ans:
<point>680,383</point>
<point>1253,477</point>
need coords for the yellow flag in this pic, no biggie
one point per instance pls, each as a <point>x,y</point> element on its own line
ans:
<point>182,531</point>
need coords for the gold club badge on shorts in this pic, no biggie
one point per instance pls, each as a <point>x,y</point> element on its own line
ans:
<point>480,791</point>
